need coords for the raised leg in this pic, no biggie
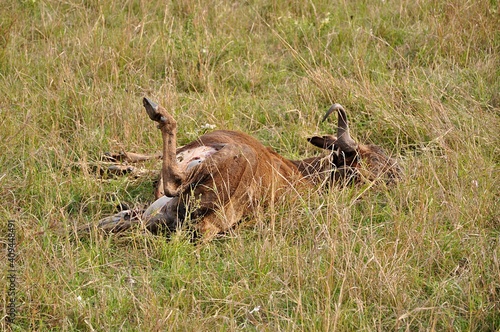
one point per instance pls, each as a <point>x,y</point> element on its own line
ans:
<point>172,176</point>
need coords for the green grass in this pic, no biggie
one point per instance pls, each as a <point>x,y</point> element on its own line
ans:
<point>420,78</point>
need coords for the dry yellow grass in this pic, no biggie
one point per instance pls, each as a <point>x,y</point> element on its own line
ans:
<point>420,78</point>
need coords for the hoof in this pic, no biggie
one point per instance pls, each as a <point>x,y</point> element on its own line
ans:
<point>152,110</point>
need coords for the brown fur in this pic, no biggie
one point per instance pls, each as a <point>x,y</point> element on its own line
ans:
<point>238,172</point>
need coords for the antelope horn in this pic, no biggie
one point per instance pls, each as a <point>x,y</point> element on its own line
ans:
<point>344,140</point>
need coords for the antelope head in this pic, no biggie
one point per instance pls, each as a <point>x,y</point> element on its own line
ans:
<point>347,156</point>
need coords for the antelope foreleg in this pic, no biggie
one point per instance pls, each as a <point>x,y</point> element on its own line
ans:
<point>130,157</point>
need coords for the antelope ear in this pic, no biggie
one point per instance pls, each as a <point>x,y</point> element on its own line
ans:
<point>326,142</point>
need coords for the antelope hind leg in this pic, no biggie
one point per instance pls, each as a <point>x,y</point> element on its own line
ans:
<point>116,223</point>
<point>173,177</point>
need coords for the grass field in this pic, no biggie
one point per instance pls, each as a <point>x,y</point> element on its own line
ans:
<point>420,78</point>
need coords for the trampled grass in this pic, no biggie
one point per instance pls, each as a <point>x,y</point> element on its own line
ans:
<point>420,78</point>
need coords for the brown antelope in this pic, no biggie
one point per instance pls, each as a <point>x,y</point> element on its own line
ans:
<point>221,176</point>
